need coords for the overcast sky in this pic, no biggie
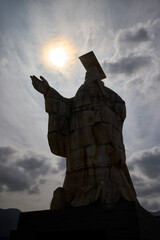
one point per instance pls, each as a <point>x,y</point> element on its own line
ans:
<point>125,36</point>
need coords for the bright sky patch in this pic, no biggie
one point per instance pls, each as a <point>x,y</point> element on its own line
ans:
<point>58,57</point>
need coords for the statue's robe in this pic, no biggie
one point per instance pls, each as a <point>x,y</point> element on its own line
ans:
<point>87,131</point>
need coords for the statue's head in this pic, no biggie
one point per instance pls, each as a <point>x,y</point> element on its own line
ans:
<point>92,74</point>
<point>94,69</point>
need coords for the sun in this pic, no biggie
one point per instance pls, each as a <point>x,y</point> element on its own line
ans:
<point>58,57</point>
<point>59,54</point>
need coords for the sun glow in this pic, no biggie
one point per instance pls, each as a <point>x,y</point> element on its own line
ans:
<point>58,57</point>
<point>59,53</point>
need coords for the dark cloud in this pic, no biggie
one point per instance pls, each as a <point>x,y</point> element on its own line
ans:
<point>157,79</point>
<point>61,164</point>
<point>34,166</point>
<point>136,88</point>
<point>137,82</point>
<point>146,188</point>
<point>34,190</point>
<point>149,190</point>
<point>12,179</point>
<point>25,173</point>
<point>127,65</point>
<point>155,85</point>
<point>148,162</point>
<point>151,205</point>
<point>138,181</point>
<point>145,172</point>
<point>135,36</point>
<point>6,152</point>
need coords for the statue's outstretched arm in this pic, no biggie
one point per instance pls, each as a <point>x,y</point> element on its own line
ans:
<point>41,85</point>
<point>54,101</point>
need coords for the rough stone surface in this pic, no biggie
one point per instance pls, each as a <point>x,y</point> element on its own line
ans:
<point>98,199</point>
<point>87,131</point>
<point>81,138</point>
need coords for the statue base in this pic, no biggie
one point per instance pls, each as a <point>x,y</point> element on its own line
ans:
<point>124,220</point>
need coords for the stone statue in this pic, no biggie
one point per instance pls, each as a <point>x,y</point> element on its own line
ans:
<point>87,131</point>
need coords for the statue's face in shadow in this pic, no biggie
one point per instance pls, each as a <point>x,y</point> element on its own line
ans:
<point>92,75</point>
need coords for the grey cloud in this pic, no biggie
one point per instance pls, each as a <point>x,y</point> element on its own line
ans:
<point>148,190</point>
<point>90,40</point>
<point>135,36</point>
<point>12,179</point>
<point>127,65</point>
<point>42,181</point>
<point>6,152</point>
<point>135,82</point>
<point>157,79</point>
<point>150,166</point>
<point>154,85</point>
<point>25,173</point>
<point>138,181</point>
<point>61,164</point>
<point>145,172</point>
<point>151,205</point>
<point>148,162</point>
<point>136,87</point>
<point>34,166</point>
<point>34,190</point>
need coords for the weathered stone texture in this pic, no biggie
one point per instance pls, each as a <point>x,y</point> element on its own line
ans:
<point>76,159</point>
<point>82,137</point>
<point>120,110</point>
<point>87,130</point>
<point>117,138</point>
<point>56,123</point>
<point>102,133</point>
<point>118,155</point>
<point>109,116</point>
<point>88,118</point>
<point>97,155</point>
<point>52,105</point>
<point>57,145</point>
<point>73,122</point>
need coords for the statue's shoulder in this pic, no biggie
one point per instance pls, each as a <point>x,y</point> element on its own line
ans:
<point>54,94</point>
<point>56,103</point>
<point>117,104</point>
<point>113,95</point>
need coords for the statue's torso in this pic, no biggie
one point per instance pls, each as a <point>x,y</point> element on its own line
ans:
<point>95,129</point>
<point>87,130</point>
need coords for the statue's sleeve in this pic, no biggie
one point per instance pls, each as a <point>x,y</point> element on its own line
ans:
<point>120,109</point>
<point>58,108</point>
<point>119,106</point>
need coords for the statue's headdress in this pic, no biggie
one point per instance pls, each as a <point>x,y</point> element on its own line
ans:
<point>88,60</point>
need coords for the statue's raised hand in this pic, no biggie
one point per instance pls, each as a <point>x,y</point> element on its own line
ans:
<point>41,85</point>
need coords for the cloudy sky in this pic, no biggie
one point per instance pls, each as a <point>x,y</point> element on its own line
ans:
<point>125,36</point>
